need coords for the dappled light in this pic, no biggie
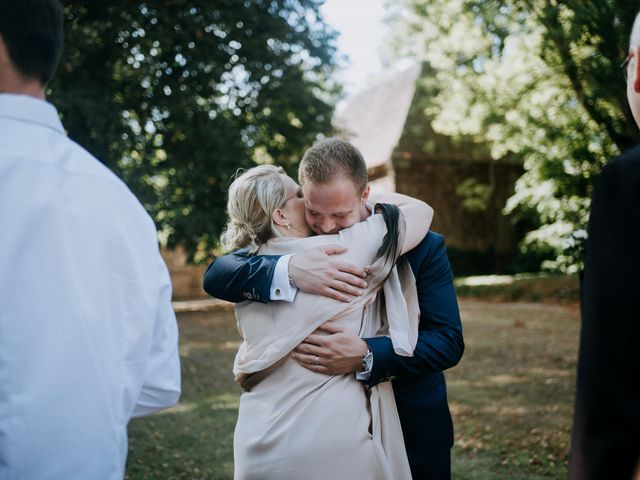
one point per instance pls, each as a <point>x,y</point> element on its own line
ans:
<point>538,83</point>
<point>486,280</point>
<point>207,84</point>
<point>511,397</point>
<point>512,394</point>
<point>502,119</point>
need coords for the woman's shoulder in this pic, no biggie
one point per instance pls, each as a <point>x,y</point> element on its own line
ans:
<point>373,224</point>
<point>369,230</point>
<point>287,245</point>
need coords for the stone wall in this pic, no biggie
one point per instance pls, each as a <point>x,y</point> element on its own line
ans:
<point>185,277</point>
<point>478,241</point>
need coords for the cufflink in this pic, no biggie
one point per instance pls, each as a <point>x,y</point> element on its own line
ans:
<point>251,296</point>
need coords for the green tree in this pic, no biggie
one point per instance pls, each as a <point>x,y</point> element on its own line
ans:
<point>537,80</point>
<point>175,96</point>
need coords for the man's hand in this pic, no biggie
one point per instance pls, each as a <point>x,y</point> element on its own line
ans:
<point>339,353</point>
<point>316,272</point>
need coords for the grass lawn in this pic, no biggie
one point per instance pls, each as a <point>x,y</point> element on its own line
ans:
<point>511,397</point>
<point>523,287</point>
<point>512,394</point>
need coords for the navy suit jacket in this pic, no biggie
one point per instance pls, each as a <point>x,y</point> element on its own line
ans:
<point>418,381</point>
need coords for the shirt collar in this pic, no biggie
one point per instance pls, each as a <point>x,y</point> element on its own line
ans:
<point>30,109</point>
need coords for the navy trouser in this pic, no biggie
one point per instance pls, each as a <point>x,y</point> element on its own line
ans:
<point>438,468</point>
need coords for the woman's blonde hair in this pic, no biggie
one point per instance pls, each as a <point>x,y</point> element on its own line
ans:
<point>253,197</point>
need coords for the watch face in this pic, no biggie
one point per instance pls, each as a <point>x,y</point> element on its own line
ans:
<point>367,361</point>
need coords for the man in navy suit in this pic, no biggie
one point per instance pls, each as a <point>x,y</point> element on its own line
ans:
<point>606,429</point>
<point>333,179</point>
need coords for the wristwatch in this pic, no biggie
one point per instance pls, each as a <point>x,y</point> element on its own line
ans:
<point>367,361</point>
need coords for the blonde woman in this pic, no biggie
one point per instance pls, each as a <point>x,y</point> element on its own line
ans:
<point>294,423</point>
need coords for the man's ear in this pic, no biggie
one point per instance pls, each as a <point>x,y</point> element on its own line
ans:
<point>636,69</point>
<point>365,193</point>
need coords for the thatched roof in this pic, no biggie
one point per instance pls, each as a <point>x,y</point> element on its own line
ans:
<point>374,119</point>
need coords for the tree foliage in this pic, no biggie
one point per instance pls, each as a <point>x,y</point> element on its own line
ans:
<point>175,96</point>
<point>538,80</point>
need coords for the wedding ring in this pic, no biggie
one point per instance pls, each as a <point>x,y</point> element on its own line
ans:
<point>317,360</point>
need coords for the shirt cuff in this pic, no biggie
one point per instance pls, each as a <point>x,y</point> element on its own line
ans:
<point>364,375</point>
<point>281,288</point>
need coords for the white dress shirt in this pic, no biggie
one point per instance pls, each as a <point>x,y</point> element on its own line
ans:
<point>281,287</point>
<point>88,337</point>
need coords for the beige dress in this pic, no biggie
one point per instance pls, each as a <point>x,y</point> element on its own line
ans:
<point>297,424</point>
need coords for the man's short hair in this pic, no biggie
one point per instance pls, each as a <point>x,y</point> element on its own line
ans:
<point>331,158</point>
<point>33,34</point>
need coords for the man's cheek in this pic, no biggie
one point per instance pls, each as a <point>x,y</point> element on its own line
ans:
<point>313,224</point>
<point>309,218</point>
<point>348,222</point>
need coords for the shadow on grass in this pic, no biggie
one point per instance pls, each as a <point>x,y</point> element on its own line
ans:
<point>511,398</point>
<point>194,439</point>
<point>512,395</point>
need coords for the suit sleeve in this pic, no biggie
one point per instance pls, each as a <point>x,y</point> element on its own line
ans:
<point>238,276</point>
<point>440,344</point>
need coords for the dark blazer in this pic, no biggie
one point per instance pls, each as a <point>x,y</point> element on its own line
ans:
<point>606,432</point>
<point>418,382</point>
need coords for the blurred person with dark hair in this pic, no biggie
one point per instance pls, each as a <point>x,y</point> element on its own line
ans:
<point>606,431</point>
<point>88,336</point>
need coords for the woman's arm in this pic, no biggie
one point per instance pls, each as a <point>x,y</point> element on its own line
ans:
<point>417,214</point>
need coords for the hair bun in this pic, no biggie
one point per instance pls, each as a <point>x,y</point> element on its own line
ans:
<point>239,235</point>
<point>253,197</point>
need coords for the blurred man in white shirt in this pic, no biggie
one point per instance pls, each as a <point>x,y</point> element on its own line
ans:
<point>88,337</point>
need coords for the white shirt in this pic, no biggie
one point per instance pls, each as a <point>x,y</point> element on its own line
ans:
<point>88,337</point>
<point>281,288</point>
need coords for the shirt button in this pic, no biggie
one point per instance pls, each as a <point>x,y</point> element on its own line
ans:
<point>278,292</point>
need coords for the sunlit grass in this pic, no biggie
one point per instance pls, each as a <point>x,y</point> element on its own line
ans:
<point>486,280</point>
<point>512,394</point>
<point>524,287</point>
